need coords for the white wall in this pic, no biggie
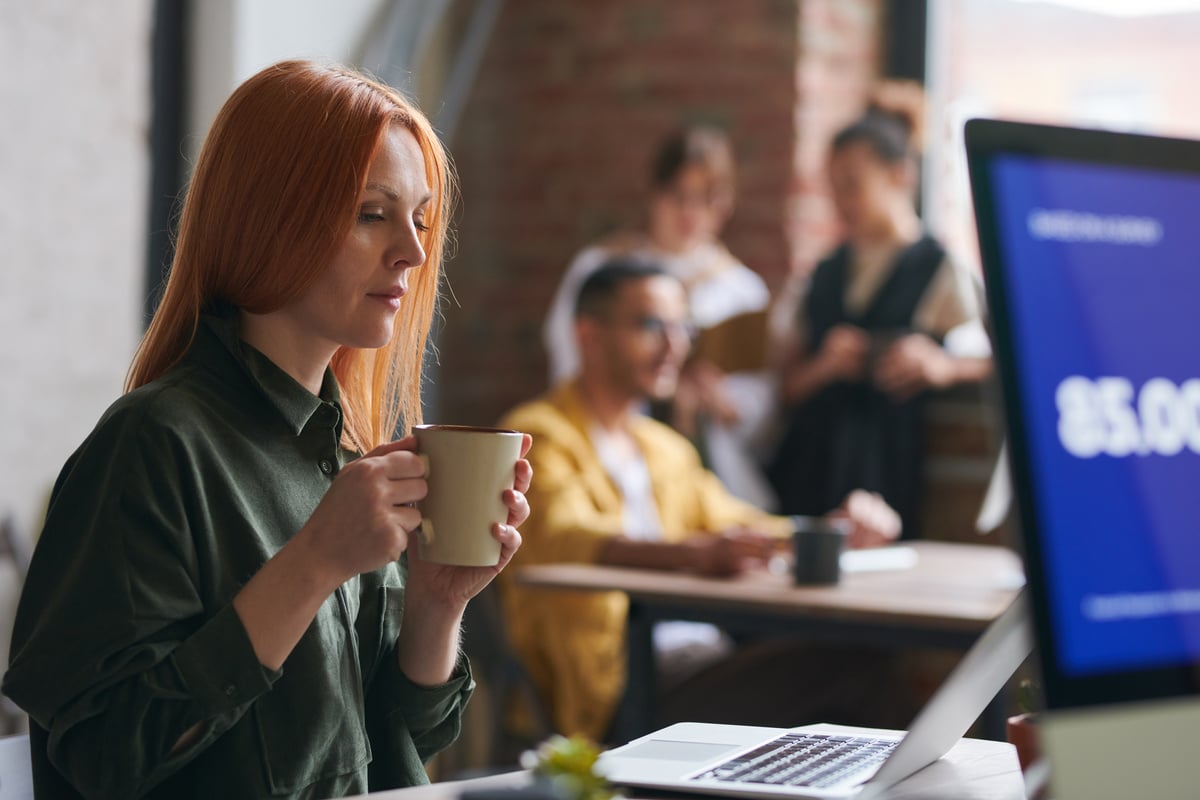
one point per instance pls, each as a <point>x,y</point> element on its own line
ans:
<point>233,39</point>
<point>74,173</point>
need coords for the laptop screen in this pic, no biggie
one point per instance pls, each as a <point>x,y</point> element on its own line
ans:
<point>1091,249</point>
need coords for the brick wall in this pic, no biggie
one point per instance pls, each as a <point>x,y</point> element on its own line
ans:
<point>553,151</point>
<point>838,64</point>
<point>962,438</point>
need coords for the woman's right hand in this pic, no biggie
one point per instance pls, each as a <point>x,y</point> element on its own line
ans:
<point>363,522</point>
<point>843,353</point>
<point>367,516</point>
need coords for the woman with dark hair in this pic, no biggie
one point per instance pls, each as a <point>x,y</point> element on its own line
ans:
<point>870,331</point>
<point>224,601</point>
<point>724,395</point>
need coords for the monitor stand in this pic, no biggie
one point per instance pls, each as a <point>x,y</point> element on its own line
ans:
<point>1145,749</point>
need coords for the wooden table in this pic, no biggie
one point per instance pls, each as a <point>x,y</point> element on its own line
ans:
<point>945,600</point>
<point>972,770</point>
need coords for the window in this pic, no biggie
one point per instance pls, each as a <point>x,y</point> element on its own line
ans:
<point>1122,64</point>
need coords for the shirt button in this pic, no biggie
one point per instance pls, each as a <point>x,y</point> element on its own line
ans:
<point>326,466</point>
<point>230,690</point>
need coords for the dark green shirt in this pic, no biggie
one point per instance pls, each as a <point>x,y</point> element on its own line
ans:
<point>125,636</point>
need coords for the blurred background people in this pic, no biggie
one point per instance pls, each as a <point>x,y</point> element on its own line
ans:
<point>885,318</point>
<point>617,487</point>
<point>724,394</point>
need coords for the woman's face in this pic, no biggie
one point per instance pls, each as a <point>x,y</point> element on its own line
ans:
<point>866,190</point>
<point>684,214</point>
<point>354,302</point>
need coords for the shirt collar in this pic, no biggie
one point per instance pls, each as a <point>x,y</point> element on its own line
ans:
<point>296,404</point>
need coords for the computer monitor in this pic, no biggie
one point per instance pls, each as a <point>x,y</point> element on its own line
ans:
<point>1090,242</point>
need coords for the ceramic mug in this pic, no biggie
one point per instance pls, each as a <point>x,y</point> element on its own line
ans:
<point>817,545</point>
<point>467,469</point>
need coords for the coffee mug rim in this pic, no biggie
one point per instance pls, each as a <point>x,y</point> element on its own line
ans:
<point>462,428</point>
<point>803,523</point>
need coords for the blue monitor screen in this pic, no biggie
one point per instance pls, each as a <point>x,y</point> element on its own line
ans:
<point>1102,274</point>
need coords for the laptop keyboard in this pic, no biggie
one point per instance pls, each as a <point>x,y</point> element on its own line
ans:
<point>804,759</point>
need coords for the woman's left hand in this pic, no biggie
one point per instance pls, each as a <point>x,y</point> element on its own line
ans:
<point>453,584</point>
<point>873,523</point>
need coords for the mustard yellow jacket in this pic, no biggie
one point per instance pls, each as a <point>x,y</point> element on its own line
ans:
<point>572,643</point>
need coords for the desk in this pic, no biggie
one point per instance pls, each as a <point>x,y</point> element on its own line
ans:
<point>972,770</point>
<point>946,600</point>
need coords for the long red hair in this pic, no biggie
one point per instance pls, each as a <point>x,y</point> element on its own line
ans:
<point>271,199</point>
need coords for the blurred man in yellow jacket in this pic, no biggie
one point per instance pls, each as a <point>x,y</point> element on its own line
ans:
<point>616,487</point>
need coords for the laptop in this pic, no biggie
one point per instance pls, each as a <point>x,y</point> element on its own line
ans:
<point>1090,242</point>
<point>806,762</point>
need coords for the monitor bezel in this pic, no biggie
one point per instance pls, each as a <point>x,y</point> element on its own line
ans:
<point>985,139</point>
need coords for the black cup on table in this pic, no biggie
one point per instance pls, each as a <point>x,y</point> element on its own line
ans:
<point>817,546</point>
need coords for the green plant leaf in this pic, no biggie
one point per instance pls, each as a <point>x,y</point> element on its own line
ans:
<point>568,763</point>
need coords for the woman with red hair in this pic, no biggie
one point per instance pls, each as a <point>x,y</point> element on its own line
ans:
<point>218,605</point>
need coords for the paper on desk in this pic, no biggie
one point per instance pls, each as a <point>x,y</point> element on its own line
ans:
<point>999,496</point>
<point>879,559</point>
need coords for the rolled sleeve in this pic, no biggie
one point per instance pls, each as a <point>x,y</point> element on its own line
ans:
<point>424,708</point>
<point>409,723</point>
<point>219,667</point>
